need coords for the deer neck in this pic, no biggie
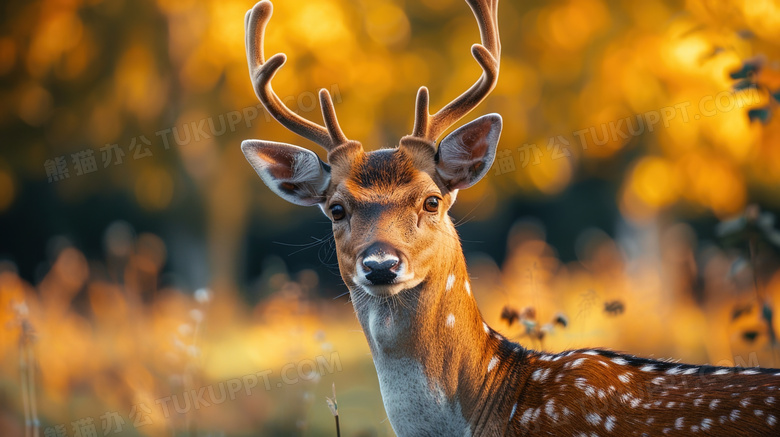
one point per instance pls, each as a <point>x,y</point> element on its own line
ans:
<point>436,359</point>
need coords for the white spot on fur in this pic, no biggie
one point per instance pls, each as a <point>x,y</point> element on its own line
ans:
<point>706,423</point>
<point>578,362</point>
<point>550,409</point>
<point>678,424</point>
<point>771,420</point>
<point>450,282</point>
<point>492,364</point>
<point>714,404</point>
<point>526,416</point>
<point>485,327</point>
<point>759,413</point>
<point>674,371</point>
<point>770,400</point>
<point>593,418</point>
<point>749,372</point>
<point>514,409</point>
<point>744,402</point>
<point>690,371</point>
<point>734,415</point>
<point>721,372</point>
<point>619,361</point>
<point>609,423</point>
<point>647,368</point>
<point>468,288</point>
<point>451,320</point>
<point>590,353</point>
<point>624,378</point>
<point>540,374</point>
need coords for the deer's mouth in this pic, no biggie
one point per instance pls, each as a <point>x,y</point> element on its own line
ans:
<point>389,289</point>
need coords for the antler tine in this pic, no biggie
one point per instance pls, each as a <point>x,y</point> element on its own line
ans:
<point>262,71</point>
<point>421,116</point>
<point>331,121</point>
<point>487,55</point>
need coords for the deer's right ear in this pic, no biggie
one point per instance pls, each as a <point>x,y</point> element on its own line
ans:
<point>295,174</point>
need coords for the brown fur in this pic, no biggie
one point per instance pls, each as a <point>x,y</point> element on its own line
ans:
<point>665,399</point>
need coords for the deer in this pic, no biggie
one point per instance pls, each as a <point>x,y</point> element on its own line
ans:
<point>441,369</point>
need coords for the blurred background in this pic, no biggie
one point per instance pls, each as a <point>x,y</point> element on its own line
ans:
<point>151,285</point>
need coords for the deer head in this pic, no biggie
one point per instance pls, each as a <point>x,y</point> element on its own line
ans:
<point>388,207</point>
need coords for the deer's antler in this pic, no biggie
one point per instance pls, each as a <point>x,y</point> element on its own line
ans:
<point>487,55</point>
<point>262,71</point>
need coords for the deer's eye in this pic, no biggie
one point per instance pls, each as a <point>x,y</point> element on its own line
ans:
<point>337,212</point>
<point>432,204</point>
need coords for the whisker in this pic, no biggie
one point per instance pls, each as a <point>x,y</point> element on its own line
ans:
<point>341,295</point>
<point>468,216</point>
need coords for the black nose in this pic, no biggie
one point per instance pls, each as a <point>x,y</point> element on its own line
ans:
<point>379,260</point>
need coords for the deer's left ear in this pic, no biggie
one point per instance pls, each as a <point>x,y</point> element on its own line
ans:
<point>295,174</point>
<point>465,155</point>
